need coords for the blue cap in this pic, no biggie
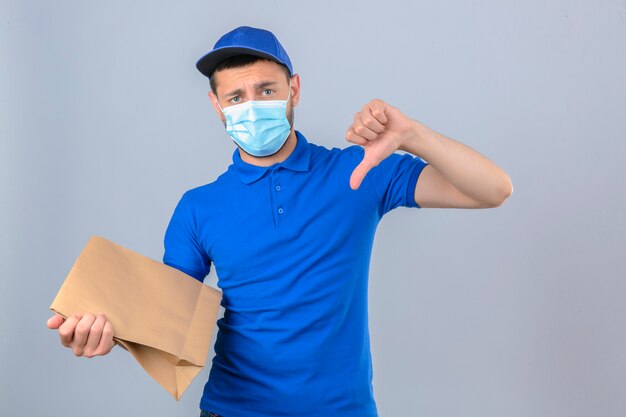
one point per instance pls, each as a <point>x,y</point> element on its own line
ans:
<point>244,40</point>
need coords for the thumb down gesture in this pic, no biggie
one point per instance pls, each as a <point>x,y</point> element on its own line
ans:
<point>380,129</point>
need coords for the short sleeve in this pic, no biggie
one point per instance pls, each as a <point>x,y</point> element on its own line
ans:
<point>394,180</point>
<point>182,248</point>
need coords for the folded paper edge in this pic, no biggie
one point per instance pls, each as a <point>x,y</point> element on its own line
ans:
<point>176,387</point>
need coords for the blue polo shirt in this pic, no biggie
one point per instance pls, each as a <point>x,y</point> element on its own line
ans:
<point>291,244</point>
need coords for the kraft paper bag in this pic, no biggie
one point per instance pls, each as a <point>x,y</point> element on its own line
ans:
<point>162,316</point>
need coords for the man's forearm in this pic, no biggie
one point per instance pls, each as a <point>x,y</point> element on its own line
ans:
<point>469,171</point>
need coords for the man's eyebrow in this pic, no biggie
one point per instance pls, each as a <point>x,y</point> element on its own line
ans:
<point>257,86</point>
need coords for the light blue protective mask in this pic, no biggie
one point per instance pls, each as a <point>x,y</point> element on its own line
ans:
<point>260,127</point>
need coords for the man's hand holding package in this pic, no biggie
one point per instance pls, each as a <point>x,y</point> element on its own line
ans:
<point>87,335</point>
<point>163,317</point>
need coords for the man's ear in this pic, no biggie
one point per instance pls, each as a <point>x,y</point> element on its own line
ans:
<point>216,107</point>
<point>295,89</point>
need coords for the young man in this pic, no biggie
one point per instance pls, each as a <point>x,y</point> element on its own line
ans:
<point>289,227</point>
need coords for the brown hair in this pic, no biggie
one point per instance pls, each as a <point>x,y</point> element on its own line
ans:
<point>238,61</point>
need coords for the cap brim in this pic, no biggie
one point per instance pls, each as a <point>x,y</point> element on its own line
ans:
<point>207,64</point>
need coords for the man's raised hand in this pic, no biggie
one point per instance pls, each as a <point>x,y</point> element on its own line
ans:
<point>381,129</point>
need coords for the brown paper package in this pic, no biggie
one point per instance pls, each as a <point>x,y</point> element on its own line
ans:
<point>162,316</point>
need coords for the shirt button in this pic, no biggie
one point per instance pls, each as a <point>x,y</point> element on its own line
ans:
<point>280,210</point>
<point>278,188</point>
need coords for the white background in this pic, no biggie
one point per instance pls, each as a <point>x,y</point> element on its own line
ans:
<point>516,311</point>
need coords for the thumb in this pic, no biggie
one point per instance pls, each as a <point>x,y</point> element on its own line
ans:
<point>55,321</point>
<point>360,172</point>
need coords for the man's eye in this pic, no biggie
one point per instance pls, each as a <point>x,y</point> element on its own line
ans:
<point>267,91</point>
<point>235,99</point>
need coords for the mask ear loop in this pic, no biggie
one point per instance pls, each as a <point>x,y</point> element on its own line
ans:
<point>287,102</point>
<point>289,95</point>
<point>218,105</point>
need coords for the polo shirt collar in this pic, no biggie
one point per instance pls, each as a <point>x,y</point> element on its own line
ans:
<point>298,160</point>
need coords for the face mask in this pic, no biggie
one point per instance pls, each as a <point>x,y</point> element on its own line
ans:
<point>260,127</point>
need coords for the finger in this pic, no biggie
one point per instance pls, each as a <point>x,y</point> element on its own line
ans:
<point>66,330</point>
<point>351,136</point>
<point>359,173</point>
<point>368,119</point>
<point>377,108</point>
<point>106,341</point>
<point>362,130</point>
<point>95,334</point>
<point>81,333</point>
<point>55,321</point>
